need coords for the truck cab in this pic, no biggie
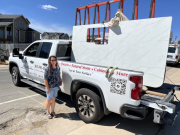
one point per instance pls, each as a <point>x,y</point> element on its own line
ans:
<point>34,59</point>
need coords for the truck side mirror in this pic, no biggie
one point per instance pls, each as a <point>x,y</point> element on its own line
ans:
<point>21,56</point>
<point>15,52</point>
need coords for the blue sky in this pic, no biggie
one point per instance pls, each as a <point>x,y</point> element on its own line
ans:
<point>59,15</point>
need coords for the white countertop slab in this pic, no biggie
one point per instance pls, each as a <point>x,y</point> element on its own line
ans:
<point>139,45</point>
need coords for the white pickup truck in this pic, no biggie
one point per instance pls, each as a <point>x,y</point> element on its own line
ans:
<point>95,90</point>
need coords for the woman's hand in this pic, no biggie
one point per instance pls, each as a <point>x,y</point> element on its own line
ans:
<point>48,91</point>
<point>47,86</point>
<point>61,83</point>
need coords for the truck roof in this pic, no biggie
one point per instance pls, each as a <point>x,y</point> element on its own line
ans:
<point>54,40</point>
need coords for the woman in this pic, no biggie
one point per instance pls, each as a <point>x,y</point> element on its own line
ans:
<point>52,80</point>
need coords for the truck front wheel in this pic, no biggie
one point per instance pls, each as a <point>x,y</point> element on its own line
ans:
<point>89,106</point>
<point>15,76</point>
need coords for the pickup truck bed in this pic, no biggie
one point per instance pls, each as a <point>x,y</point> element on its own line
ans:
<point>165,88</point>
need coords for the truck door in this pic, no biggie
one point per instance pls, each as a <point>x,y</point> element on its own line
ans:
<point>27,63</point>
<point>42,61</point>
<point>63,53</point>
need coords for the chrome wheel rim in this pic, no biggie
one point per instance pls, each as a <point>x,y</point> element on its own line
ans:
<point>86,106</point>
<point>14,76</point>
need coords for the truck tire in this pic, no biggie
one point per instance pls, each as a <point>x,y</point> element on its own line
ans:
<point>89,106</point>
<point>16,76</point>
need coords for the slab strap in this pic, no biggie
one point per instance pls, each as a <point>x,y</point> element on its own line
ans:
<point>111,73</point>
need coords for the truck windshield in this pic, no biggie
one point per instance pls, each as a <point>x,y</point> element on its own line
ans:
<point>171,50</point>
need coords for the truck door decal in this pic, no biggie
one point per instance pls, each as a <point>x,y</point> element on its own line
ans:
<point>118,86</point>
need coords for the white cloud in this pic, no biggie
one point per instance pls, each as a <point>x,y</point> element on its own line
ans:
<point>48,7</point>
<point>42,27</point>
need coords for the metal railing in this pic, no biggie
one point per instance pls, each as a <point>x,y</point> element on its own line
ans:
<point>9,37</point>
<point>2,36</point>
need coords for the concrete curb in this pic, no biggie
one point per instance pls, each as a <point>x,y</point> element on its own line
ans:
<point>4,66</point>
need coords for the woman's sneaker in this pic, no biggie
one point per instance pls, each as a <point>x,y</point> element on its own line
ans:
<point>54,114</point>
<point>49,116</point>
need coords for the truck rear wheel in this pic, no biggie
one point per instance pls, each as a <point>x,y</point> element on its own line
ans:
<point>89,106</point>
<point>15,76</point>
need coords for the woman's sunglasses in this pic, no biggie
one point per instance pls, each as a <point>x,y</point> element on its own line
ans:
<point>53,60</point>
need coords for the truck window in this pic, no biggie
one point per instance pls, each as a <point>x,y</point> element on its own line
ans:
<point>63,50</point>
<point>45,50</point>
<point>171,50</point>
<point>31,51</point>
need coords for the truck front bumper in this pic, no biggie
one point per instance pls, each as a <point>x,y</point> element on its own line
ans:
<point>134,112</point>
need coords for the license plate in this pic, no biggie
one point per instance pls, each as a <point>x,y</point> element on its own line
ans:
<point>169,56</point>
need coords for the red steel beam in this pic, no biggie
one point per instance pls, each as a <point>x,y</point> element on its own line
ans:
<point>79,17</point>
<point>122,5</point>
<point>88,17</point>
<point>137,9</point>
<point>109,13</point>
<point>88,29</point>
<point>98,20</point>
<point>99,4</point>
<point>93,5</point>
<point>153,9</point>
<point>76,17</point>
